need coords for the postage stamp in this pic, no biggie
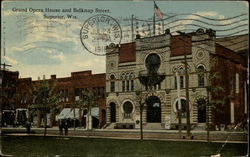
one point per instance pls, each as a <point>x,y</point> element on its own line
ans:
<point>99,31</point>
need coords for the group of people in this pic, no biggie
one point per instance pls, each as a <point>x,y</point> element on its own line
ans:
<point>63,125</point>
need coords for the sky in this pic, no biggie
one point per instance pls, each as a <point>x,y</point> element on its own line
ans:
<point>37,46</point>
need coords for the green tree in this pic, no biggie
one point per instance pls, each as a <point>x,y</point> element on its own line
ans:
<point>44,100</point>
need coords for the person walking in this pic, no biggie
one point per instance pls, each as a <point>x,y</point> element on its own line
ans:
<point>28,126</point>
<point>66,127</point>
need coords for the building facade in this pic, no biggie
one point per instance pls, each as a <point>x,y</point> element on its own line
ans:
<point>151,71</point>
<point>8,96</point>
<point>70,90</point>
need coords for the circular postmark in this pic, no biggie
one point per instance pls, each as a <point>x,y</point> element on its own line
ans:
<point>100,31</point>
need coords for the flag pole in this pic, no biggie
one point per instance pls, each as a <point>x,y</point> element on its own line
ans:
<point>154,20</point>
<point>132,27</point>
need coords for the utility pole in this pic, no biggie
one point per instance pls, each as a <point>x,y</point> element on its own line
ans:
<point>1,94</point>
<point>187,86</point>
<point>207,113</point>
<point>179,104</point>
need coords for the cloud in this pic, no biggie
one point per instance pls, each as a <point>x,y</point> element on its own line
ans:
<point>10,60</point>
<point>59,56</point>
<point>90,63</point>
<point>181,25</point>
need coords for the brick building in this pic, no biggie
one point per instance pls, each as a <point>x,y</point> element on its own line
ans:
<point>8,96</point>
<point>150,70</point>
<point>69,89</point>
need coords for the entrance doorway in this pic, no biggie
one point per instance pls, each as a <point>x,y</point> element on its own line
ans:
<point>201,105</point>
<point>153,109</point>
<point>112,112</point>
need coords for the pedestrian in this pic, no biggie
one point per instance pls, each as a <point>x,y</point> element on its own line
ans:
<point>28,126</point>
<point>66,127</point>
<point>60,127</point>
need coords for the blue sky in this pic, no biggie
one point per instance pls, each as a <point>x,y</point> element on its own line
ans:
<point>36,46</point>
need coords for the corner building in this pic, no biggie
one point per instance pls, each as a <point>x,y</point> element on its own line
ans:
<point>127,83</point>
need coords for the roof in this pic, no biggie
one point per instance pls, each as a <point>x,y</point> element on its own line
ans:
<point>229,54</point>
<point>236,43</point>
<point>181,44</point>
<point>127,52</point>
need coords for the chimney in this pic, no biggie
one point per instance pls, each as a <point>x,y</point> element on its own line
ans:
<point>43,77</point>
<point>53,77</point>
<point>38,78</point>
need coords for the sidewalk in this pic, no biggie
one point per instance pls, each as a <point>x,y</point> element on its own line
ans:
<point>215,136</point>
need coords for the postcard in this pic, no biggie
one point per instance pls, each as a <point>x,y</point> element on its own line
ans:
<point>124,78</point>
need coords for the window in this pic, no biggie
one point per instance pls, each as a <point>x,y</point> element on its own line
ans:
<point>127,82</point>
<point>63,95</point>
<point>181,72</point>
<point>23,97</point>
<point>201,80</point>
<point>112,83</point>
<point>132,85</point>
<point>102,92</point>
<point>183,107</point>
<point>123,86</point>
<point>112,86</point>
<point>237,82</point>
<point>181,81</point>
<point>153,62</point>
<point>159,86</point>
<point>127,108</point>
<point>175,82</point>
<point>127,85</point>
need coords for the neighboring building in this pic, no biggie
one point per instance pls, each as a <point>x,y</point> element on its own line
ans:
<point>147,70</point>
<point>8,99</point>
<point>70,90</point>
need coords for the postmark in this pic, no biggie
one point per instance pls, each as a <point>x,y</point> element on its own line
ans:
<point>100,31</point>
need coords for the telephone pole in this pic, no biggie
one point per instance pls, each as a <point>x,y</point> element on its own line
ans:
<point>187,86</point>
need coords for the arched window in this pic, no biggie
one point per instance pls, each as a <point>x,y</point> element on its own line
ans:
<point>127,82</point>
<point>153,63</point>
<point>127,108</point>
<point>181,73</point>
<point>183,107</point>
<point>201,79</point>
<point>123,77</point>
<point>112,83</point>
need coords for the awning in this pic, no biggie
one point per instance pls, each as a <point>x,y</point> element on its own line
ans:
<point>71,114</point>
<point>67,113</point>
<point>95,112</point>
<point>64,113</point>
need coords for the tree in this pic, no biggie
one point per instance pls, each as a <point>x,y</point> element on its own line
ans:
<point>88,101</point>
<point>141,106</point>
<point>44,100</point>
<point>213,89</point>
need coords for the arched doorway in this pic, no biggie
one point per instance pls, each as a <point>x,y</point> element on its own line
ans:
<point>112,112</point>
<point>201,105</point>
<point>153,109</point>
